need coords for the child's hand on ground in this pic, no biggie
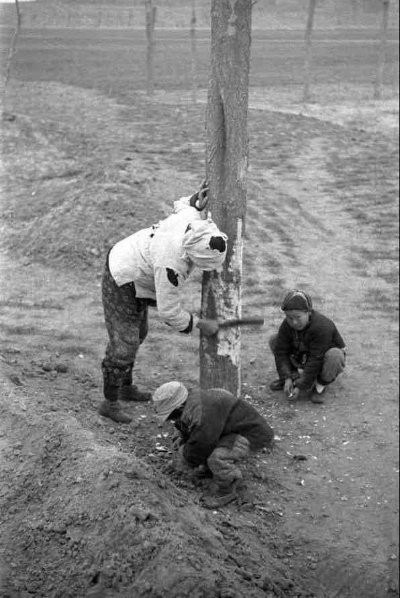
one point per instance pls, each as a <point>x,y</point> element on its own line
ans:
<point>288,386</point>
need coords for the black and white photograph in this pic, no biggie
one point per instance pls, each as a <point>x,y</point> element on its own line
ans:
<point>199,296</point>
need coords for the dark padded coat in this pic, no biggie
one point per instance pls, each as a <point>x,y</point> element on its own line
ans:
<point>307,347</point>
<point>210,415</point>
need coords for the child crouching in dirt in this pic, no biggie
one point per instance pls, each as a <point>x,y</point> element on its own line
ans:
<point>216,432</point>
<point>308,349</point>
<point>148,269</point>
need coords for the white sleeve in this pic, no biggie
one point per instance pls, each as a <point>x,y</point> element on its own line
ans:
<point>168,285</point>
<point>183,204</point>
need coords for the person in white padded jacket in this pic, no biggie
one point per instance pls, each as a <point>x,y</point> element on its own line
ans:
<point>149,268</point>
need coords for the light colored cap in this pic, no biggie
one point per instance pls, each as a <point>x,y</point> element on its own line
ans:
<point>205,244</point>
<point>167,398</point>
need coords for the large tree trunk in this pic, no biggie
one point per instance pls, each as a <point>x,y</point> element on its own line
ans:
<point>227,161</point>
<point>151,9</point>
<point>382,50</point>
<point>194,52</point>
<point>308,51</point>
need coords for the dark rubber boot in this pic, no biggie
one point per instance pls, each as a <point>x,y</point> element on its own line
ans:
<point>112,410</point>
<point>110,407</point>
<point>132,393</point>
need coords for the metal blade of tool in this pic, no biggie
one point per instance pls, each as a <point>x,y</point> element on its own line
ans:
<point>255,321</point>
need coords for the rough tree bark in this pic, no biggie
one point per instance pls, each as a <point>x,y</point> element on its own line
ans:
<point>227,161</point>
<point>151,11</point>
<point>382,50</point>
<point>308,51</point>
<point>194,52</point>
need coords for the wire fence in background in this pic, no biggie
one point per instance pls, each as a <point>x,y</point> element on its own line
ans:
<point>268,15</point>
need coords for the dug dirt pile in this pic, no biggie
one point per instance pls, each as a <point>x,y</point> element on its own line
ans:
<point>82,516</point>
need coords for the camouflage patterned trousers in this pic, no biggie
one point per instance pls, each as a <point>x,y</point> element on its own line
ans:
<point>126,319</point>
<point>223,461</point>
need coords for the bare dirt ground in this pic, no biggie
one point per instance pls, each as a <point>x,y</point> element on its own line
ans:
<point>87,506</point>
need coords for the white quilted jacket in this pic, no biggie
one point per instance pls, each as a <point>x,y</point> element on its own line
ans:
<point>154,260</point>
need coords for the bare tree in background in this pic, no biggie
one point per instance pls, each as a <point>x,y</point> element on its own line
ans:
<point>308,50</point>
<point>194,52</point>
<point>227,161</point>
<point>354,11</point>
<point>13,46</point>
<point>382,50</point>
<point>151,11</point>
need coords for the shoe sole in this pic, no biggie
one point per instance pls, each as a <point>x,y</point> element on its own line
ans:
<point>117,421</point>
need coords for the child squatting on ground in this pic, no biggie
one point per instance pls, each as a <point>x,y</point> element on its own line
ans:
<point>216,432</point>
<point>308,349</point>
<point>146,269</point>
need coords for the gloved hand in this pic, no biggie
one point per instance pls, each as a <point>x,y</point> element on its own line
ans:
<point>199,200</point>
<point>208,327</point>
<point>291,390</point>
<point>293,396</point>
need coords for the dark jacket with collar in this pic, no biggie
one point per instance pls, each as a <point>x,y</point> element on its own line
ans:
<point>307,347</point>
<point>211,414</point>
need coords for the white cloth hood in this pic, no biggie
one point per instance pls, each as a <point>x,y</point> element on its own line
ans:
<point>205,244</point>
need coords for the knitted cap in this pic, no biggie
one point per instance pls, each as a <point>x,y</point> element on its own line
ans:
<point>167,398</point>
<point>297,300</point>
<point>205,244</point>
